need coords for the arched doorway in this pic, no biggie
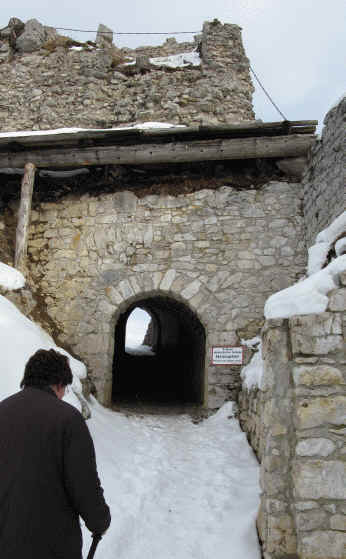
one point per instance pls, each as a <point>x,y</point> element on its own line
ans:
<point>171,368</point>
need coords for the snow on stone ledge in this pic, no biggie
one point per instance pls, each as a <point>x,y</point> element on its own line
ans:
<point>177,60</point>
<point>308,296</point>
<point>10,278</point>
<point>324,240</point>
<point>140,126</point>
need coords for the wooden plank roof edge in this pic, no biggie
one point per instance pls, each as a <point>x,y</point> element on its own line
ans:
<point>296,127</point>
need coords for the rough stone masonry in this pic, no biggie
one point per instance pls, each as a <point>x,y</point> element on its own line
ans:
<point>41,74</point>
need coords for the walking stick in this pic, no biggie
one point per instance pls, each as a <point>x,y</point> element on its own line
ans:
<point>94,543</point>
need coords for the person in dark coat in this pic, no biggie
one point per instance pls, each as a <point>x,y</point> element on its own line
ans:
<point>48,474</point>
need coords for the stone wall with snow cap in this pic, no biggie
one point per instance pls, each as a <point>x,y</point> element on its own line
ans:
<point>324,181</point>
<point>302,429</point>
<point>205,81</point>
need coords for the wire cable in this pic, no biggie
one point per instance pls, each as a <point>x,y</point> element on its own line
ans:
<point>126,33</point>
<point>267,94</point>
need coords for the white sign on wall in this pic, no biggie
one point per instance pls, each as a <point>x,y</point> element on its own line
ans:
<point>227,355</point>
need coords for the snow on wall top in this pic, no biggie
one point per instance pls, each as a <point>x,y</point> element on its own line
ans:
<point>308,296</point>
<point>324,240</point>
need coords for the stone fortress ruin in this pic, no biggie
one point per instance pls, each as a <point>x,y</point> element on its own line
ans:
<point>197,223</point>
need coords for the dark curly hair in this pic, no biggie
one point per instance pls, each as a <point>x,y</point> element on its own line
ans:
<point>47,368</point>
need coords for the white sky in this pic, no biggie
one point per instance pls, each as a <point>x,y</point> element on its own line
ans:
<point>296,47</point>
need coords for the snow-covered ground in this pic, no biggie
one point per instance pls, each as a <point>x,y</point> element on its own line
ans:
<point>177,490</point>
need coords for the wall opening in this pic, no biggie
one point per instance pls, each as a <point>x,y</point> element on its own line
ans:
<point>170,369</point>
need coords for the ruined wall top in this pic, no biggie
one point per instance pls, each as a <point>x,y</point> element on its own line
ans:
<point>51,81</point>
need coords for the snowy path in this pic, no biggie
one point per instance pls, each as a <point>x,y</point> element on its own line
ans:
<point>177,490</point>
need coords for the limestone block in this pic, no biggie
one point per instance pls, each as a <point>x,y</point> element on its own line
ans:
<point>126,289</point>
<point>306,505</point>
<point>311,520</point>
<point>125,201</point>
<point>104,37</point>
<point>316,334</point>
<point>323,545</point>
<point>337,300</point>
<point>274,484</point>
<point>317,375</point>
<point>32,38</point>
<point>191,289</point>
<point>274,506</point>
<point>338,522</point>
<point>318,479</point>
<point>320,411</point>
<point>168,279</point>
<point>315,447</point>
<point>281,536</point>
<point>275,357</point>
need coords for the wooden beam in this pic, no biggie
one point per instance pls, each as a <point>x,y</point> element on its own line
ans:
<point>293,145</point>
<point>24,213</point>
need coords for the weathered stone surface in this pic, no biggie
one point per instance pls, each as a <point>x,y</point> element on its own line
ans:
<point>316,334</point>
<point>320,479</point>
<point>315,447</point>
<point>338,522</point>
<point>317,375</point>
<point>275,358</point>
<point>323,545</point>
<point>318,411</point>
<point>32,38</point>
<point>281,538</point>
<point>311,520</point>
<point>104,37</point>
<point>337,300</point>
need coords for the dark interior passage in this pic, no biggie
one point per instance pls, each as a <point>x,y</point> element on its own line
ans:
<point>174,372</point>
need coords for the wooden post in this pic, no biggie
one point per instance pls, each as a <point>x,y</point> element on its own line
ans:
<point>24,212</point>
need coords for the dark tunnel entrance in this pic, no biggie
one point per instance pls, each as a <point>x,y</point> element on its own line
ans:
<point>171,370</point>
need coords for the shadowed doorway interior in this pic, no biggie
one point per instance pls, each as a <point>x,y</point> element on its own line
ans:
<point>169,367</point>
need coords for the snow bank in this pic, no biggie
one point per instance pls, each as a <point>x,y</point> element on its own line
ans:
<point>10,278</point>
<point>324,240</point>
<point>308,296</point>
<point>253,372</point>
<point>19,339</point>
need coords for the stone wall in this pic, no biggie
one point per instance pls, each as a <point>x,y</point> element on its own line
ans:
<point>57,85</point>
<point>296,422</point>
<point>220,252</point>
<point>325,179</point>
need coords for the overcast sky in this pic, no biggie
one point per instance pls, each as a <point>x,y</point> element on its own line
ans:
<point>297,47</point>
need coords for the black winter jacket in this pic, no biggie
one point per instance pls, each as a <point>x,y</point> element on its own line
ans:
<point>48,477</point>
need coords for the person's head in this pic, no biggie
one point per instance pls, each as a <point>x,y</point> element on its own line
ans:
<point>48,368</point>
